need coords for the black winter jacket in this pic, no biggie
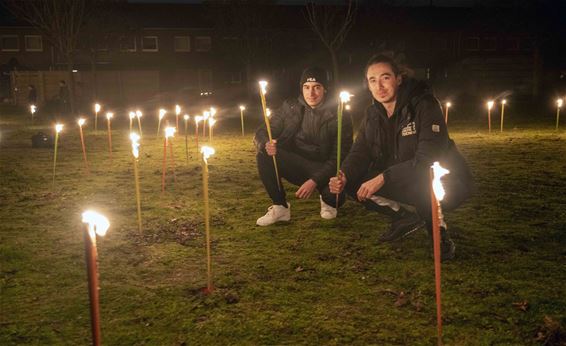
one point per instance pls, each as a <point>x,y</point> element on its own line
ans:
<point>286,122</point>
<point>420,137</point>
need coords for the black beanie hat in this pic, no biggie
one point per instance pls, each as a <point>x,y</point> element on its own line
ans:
<point>315,74</point>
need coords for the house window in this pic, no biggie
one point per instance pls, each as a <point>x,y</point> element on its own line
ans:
<point>182,44</point>
<point>10,43</point>
<point>149,44</point>
<point>128,44</point>
<point>33,43</point>
<point>511,44</point>
<point>489,43</point>
<point>472,44</point>
<point>203,43</point>
<point>235,77</point>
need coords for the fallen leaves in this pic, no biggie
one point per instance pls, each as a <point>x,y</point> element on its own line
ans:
<point>522,305</point>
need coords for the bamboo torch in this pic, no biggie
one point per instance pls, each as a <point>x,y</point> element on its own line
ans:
<point>186,118</point>
<point>344,98</point>
<point>139,115</point>
<point>109,116</point>
<point>177,113</point>
<point>436,195</point>
<point>198,119</point>
<point>558,106</point>
<point>503,103</point>
<point>162,113</point>
<point>242,109</point>
<point>262,92</point>
<point>97,224</point>
<point>96,110</point>
<point>81,122</point>
<point>58,128</point>
<point>448,105</point>
<point>206,153</point>
<point>489,106</point>
<point>135,138</point>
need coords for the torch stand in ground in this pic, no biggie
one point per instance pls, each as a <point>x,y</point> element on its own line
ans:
<point>81,123</point>
<point>206,152</point>
<point>134,137</point>
<point>262,92</point>
<point>96,224</point>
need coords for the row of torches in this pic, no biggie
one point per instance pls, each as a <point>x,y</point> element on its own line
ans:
<point>98,224</point>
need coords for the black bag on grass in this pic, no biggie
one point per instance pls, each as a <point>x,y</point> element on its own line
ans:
<point>41,140</point>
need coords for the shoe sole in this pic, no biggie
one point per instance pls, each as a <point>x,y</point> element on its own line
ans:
<point>404,235</point>
<point>269,224</point>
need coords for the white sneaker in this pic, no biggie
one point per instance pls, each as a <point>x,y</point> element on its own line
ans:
<point>327,212</point>
<point>274,214</point>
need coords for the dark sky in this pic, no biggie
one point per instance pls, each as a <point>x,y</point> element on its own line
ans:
<point>442,3</point>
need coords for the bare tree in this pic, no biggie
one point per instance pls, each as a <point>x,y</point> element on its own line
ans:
<point>332,23</point>
<point>60,21</point>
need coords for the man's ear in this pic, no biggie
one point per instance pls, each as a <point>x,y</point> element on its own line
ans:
<point>399,79</point>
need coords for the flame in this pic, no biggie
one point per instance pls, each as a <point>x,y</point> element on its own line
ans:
<point>347,107</point>
<point>242,107</point>
<point>438,172</point>
<point>559,103</point>
<point>58,128</point>
<point>198,119</point>
<point>206,152</point>
<point>32,108</point>
<point>503,102</point>
<point>135,138</point>
<point>162,113</point>
<point>170,131</point>
<point>448,104</point>
<point>211,122</point>
<point>263,86</point>
<point>177,109</point>
<point>489,104</point>
<point>212,111</point>
<point>186,117</point>
<point>268,112</point>
<point>96,223</point>
<point>96,107</point>
<point>132,115</point>
<point>109,115</point>
<point>345,96</point>
<point>139,113</point>
<point>206,115</point>
<point>81,121</point>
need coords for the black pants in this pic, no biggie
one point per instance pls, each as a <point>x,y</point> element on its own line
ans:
<point>416,194</point>
<point>295,169</point>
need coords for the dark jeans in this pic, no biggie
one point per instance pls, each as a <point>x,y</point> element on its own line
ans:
<point>296,170</point>
<point>416,194</point>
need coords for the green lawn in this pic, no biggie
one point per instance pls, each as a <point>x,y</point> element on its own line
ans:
<point>308,281</point>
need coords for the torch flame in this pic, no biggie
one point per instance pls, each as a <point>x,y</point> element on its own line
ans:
<point>438,172</point>
<point>170,131</point>
<point>211,122</point>
<point>263,87</point>
<point>81,121</point>
<point>162,113</point>
<point>32,109</point>
<point>177,109</point>
<point>345,96</point>
<point>96,223</point>
<point>242,108</point>
<point>206,152</point>
<point>206,115</point>
<point>186,117</point>
<point>268,112</point>
<point>503,102</point>
<point>212,111</point>
<point>96,107</point>
<point>132,115</point>
<point>58,128</point>
<point>139,113</point>
<point>109,115</point>
<point>559,103</point>
<point>489,104</point>
<point>198,119</point>
<point>135,138</point>
<point>448,104</point>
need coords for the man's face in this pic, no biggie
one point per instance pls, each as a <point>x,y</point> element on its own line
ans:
<point>313,92</point>
<point>383,83</point>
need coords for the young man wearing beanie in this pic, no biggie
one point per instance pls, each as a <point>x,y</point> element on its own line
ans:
<point>304,142</point>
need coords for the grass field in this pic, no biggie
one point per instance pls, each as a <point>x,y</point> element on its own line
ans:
<point>308,281</point>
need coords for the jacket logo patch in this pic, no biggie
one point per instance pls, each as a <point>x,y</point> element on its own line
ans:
<point>409,130</point>
<point>435,128</point>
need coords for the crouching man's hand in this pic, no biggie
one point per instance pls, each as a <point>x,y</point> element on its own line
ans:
<point>370,187</point>
<point>337,184</point>
<point>271,148</point>
<point>306,189</point>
